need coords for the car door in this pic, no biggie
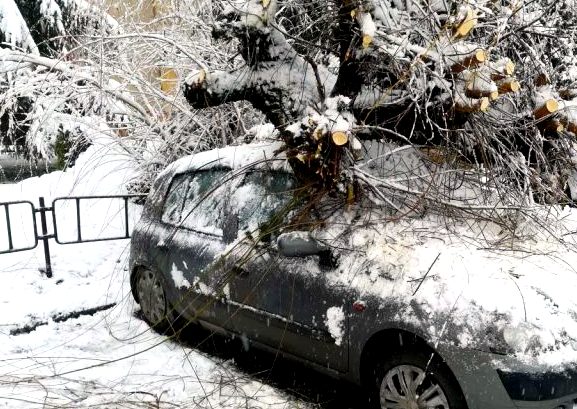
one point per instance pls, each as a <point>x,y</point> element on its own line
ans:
<point>284,303</point>
<point>259,203</point>
<point>192,242</point>
<point>317,311</point>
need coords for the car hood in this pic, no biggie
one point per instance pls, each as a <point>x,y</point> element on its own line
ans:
<point>469,284</point>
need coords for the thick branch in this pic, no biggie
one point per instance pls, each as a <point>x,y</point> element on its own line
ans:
<point>276,79</point>
<point>282,90</point>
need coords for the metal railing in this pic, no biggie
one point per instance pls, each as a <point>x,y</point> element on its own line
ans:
<point>44,236</point>
<point>10,238</point>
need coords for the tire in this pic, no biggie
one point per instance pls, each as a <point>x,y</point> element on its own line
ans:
<point>149,292</point>
<point>415,379</point>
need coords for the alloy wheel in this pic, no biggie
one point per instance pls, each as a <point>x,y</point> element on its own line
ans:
<point>409,387</point>
<point>151,297</point>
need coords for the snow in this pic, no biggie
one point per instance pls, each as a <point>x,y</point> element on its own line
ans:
<point>335,322</point>
<point>51,10</point>
<point>367,25</point>
<point>335,118</point>
<point>261,155</point>
<point>201,287</point>
<point>296,235</point>
<point>111,357</point>
<point>254,13</point>
<point>263,133</point>
<point>178,277</point>
<point>14,27</point>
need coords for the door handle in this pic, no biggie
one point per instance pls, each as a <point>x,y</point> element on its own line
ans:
<point>239,271</point>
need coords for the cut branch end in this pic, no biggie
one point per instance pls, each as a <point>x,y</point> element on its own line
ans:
<point>472,105</point>
<point>550,106</point>
<point>509,85</point>
<point>339,138</point>
<point>467,24</point>
<point>471,61</point>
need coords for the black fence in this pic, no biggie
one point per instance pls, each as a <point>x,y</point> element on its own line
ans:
<point>13,248</point>
<point>27,211</point>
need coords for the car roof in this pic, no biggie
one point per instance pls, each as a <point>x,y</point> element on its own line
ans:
<point>262,155</point>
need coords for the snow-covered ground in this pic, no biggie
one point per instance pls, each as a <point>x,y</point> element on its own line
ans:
<point>109,359</point>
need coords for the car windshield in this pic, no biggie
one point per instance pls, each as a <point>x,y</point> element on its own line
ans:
<point>261,197</point>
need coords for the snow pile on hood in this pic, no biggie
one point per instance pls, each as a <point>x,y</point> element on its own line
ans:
<point>465,283</point>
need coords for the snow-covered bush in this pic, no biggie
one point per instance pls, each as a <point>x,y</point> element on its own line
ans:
<point>79,62</point>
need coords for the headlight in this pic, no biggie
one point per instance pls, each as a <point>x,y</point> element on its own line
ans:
<point>523,338</point>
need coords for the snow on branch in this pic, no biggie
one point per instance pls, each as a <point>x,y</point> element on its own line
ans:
<point>276,79</point>
<point>471,83</point>
<point>74,73</point>
<point>14,28</point>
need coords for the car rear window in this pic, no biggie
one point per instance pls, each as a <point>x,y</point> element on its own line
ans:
<point>172,210</point>
<point>203,204</point>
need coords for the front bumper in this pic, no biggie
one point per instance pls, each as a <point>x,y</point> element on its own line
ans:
<point>522,386</point>
<point>491,381</point>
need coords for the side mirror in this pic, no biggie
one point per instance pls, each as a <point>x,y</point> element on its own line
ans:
<point>299,244</point>
<point>230,227</point>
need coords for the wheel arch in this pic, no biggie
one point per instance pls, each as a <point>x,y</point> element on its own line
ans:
<point>387,342</point>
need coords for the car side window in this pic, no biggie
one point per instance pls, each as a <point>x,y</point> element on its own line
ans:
<point>172,209</point>
<point>261,196</point>
<point>204,201</point>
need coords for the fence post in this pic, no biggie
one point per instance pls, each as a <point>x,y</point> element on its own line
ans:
<point>45,237</point>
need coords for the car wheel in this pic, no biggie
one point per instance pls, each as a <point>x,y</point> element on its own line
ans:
<point>416,380</point>
<point>151,296</point>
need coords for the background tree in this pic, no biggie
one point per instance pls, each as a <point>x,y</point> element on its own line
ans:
<point>116,65</point>
<point>37,27</point>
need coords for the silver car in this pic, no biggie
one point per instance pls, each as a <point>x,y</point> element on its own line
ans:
<point>225,241</point>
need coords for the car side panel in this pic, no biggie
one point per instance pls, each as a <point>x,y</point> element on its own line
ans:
<point>145,252</point>
<point>322,310</point>
<point>282,304</point>
<point>195,278</point>
<point>169,249</point>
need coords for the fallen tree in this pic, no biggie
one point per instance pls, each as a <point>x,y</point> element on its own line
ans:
<point>465,83</point>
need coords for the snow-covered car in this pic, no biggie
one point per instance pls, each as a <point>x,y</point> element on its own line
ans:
<point>410,308</point>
